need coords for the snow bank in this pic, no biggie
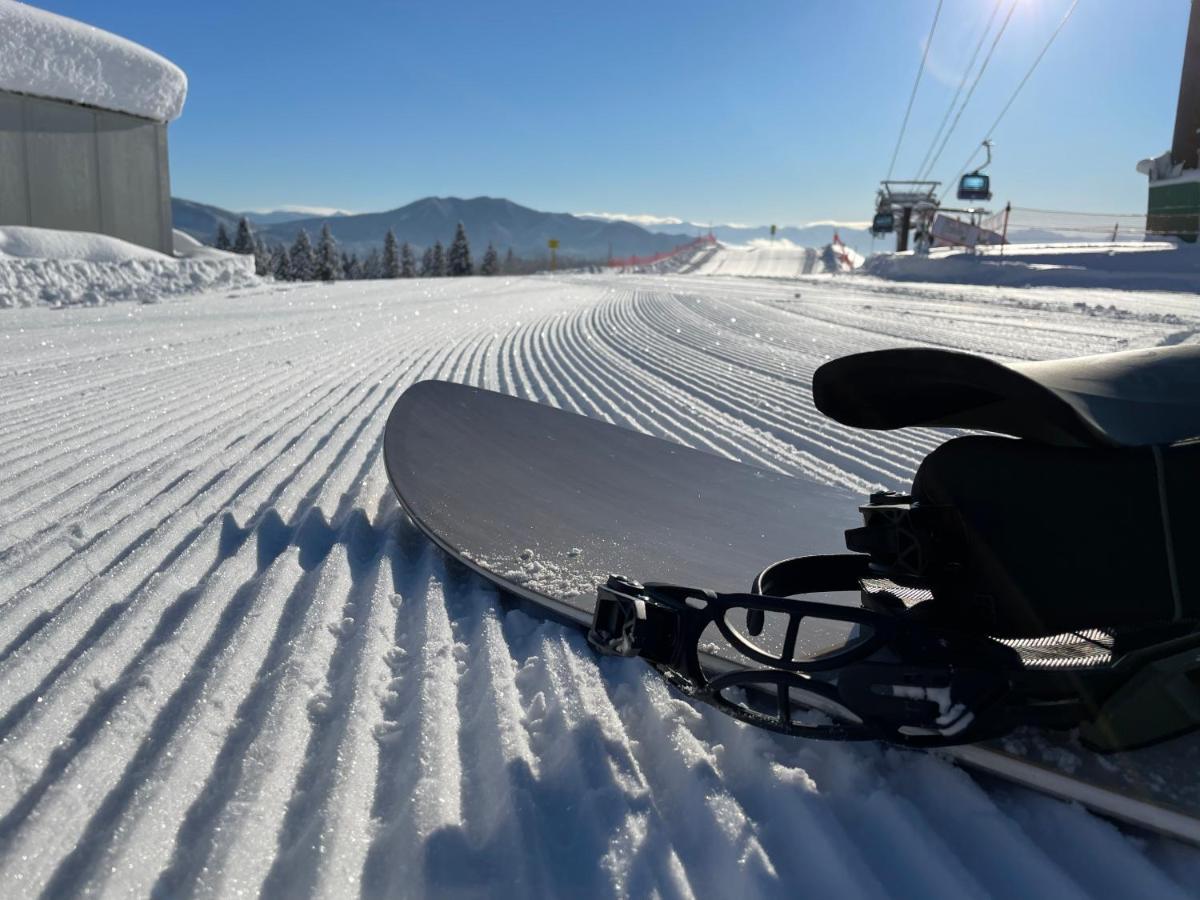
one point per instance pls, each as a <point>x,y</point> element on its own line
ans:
<point>42,266</point>
<point>837,257</point>
<point>1148,265</point>
<point>188,247</point>
<point>53,56</point>
<point>19,242</point>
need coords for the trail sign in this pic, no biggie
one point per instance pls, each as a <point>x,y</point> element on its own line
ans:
<point>553,242</point>
<point>772,231</point>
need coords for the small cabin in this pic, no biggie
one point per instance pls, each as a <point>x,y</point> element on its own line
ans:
<point>83,129</point>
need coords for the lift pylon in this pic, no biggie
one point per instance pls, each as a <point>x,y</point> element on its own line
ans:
<point>899,203</point>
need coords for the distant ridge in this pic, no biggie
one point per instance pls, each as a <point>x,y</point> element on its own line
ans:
<point>815,234</point>
<point>487,219</point>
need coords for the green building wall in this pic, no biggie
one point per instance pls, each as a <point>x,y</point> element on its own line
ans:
<point>1174,209</point>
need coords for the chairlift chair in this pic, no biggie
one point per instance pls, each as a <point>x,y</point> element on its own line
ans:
<point>975,186</point>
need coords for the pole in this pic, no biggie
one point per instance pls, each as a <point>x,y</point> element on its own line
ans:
<point>1004,230</point>
<point>902,231</point>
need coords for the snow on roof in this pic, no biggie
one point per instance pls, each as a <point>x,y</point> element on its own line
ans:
<point>1163,171</point>
<point>53,56</point>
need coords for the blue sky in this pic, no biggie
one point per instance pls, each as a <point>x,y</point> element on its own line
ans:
<point>755,112</point>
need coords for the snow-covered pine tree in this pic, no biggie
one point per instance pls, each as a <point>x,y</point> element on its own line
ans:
<point>491,261</point>
<point>351,267</point>
<point>301,259</point>
<point>391,256</point>
<point>427,263</point>
<point>244,242</point>
<point>458,260</point>
<point>281,264</point>
<point>222,242</point>
<point>372,265</point>
<point>439,260</point>
<point>408,264</point>
<point>329,266</point>
<point>510,262</point>
<point>262,257</point>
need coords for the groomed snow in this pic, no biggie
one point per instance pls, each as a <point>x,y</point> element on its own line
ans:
<point>44,266</point>
<point>230,666</point>
<point>52,56</point>
<point>769,259</point>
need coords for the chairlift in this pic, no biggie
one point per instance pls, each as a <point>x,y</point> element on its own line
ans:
<point>975,186</point>
<point>883,223</point>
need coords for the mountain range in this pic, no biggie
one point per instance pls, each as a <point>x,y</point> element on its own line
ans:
<point>815,234</point>
<point>585,236</point>
<point>200,220</point>
<point>290,214</point>
<point>486,219</point>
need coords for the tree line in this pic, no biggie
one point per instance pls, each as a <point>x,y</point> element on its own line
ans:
<point>303,261</point>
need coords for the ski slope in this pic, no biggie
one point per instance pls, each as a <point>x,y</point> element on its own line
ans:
<point>760,260</point>
<point>229,665</point>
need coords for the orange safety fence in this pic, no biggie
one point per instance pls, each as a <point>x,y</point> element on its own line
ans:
<point>630,261</point>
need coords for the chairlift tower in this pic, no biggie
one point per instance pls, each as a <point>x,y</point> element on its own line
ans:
<point>904,200</point>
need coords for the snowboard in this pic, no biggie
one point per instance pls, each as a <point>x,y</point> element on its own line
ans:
<point>545,504</point>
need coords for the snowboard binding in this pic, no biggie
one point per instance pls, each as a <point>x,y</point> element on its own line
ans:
<point>893,682</point>
<point>1049,581</point>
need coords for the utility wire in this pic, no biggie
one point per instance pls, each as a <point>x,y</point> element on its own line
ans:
<point>970,93</point>
<point>1004,111</point>
<point>916,84</point>
<point>961,84</point>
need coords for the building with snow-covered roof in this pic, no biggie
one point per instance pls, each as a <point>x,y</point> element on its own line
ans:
<point>83,128</point>
<point>1173,206</point>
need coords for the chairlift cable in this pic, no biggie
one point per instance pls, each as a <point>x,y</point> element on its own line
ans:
<point>916,84</point>
<point>1004,111</point>
<point>958,92</point>
<point>1076,212</point>
<point>971,92</point>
